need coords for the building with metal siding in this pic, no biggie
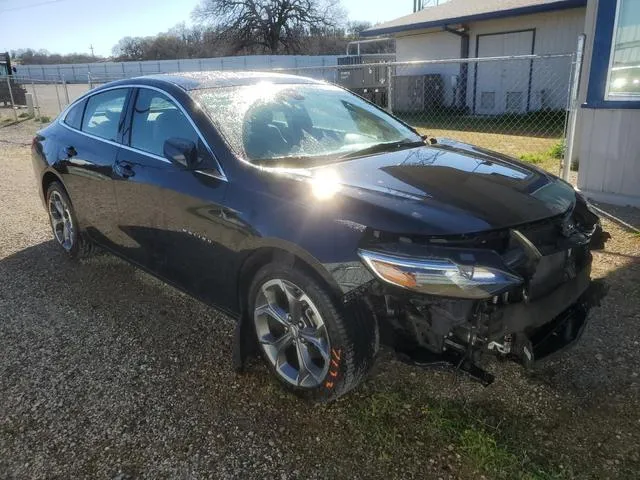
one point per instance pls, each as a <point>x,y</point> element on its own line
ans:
<point>492,28</point>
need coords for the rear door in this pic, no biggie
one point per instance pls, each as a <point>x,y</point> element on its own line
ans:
<point>172,217</point>
<point>88,146</point>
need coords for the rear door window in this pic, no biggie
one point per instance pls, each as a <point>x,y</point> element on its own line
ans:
<point>74,115</point>
<point>102,114</point>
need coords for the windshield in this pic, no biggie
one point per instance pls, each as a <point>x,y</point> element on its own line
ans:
<point>301,124</point>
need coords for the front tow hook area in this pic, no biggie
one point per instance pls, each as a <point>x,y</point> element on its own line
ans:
<point>553,337</point>
<point>564,330</point>
<point>448,360</point>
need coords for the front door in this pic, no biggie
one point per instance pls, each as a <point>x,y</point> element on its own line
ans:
<point>172,217</point>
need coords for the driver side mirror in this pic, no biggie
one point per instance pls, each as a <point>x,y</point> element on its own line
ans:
<point>181,152</point>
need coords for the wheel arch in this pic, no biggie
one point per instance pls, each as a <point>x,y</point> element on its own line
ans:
<point>47,179</point>
<point>289,256</point>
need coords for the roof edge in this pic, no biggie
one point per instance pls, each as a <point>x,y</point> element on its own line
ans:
<point>546,7</point>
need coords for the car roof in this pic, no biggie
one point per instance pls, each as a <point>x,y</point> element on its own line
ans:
<point>199,80</point>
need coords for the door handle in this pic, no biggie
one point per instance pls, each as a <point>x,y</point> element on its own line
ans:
<point>124,169</point>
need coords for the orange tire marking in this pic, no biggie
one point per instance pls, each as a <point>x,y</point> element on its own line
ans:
<point>333,374</point>
<point>329,384</point>
<point>335,364</point>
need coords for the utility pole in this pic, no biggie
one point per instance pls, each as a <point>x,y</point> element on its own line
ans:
<point>91,48</point>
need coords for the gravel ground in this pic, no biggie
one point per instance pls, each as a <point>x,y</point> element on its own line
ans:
<point>106,372</point>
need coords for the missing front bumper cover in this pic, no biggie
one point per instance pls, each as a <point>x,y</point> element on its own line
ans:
<point>562,332</point>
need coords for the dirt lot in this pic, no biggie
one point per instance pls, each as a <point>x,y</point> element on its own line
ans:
<point>107,373</point>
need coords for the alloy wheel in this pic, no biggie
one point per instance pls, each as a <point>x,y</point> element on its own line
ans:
<point>292,333</point>
<point>61,222</point>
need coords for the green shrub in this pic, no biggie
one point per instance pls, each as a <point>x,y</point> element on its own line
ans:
<point>534,158</point>
<point>557,151</point>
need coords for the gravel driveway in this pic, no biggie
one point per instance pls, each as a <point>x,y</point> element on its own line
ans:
<point>106,372</point>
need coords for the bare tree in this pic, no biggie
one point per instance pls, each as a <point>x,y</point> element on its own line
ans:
<point>273,25</point>
<point>130,48</point>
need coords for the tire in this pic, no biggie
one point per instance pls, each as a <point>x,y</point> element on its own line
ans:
<point>64,223</point>
<point>351,337</point>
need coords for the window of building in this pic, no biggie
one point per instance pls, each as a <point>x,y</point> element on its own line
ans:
<point>623,82</point>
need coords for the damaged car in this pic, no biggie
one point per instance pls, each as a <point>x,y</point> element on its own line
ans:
<point>323,224</point>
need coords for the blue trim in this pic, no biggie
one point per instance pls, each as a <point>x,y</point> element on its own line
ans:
<point>613,104</point>
<point>545,7</point>
<point>602,40</point>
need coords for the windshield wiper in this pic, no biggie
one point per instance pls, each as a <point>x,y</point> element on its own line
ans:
<point>296,162</point>
<point>383,147</point>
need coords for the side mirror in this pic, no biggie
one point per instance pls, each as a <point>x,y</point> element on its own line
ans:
<point>181,152</point>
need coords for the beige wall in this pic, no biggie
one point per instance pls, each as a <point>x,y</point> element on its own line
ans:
<point>610,155</point>
<point>432,46</point>
<point>556,32</point>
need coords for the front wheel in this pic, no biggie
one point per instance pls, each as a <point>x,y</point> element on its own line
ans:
<point>308,340</point>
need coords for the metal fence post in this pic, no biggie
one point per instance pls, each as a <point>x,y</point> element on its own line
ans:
<point>35,99</point>
<point>66,90</point>
<point>389,88</point>
<point>573,106</point>
<point>89,80</point>
<point>58,96</point>
<point>13,105</point>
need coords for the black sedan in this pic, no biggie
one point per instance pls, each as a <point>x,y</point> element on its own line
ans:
<point>323,224</point>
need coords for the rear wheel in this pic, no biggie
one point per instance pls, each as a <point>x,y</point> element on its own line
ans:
<point>307,339</point>
<point>64,224</point>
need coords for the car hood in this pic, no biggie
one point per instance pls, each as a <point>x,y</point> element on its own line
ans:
<point>444,189</point>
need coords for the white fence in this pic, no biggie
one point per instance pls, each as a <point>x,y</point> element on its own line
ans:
<point>78,73</point>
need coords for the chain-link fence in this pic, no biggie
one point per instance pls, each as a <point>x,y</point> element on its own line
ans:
<point>23,97</point>
<point>516,105</point>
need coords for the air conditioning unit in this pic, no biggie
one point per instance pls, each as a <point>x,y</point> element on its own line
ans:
<point>417,93</point>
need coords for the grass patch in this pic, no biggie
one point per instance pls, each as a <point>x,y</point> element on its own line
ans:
<point>45,119</point>
<point>388,424</point>
<point>547,123</point>
<point>24,115</point>
<point>549,160</point>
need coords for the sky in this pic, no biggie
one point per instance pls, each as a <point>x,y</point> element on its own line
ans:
<point>66,26</point>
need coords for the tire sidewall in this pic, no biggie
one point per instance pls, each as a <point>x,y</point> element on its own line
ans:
<point>75,248</point>
<point>328,309</point>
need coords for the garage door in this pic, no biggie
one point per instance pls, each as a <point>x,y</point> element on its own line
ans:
<point>503,86</point>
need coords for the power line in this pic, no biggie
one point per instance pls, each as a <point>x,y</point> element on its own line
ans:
<point>24,7</point>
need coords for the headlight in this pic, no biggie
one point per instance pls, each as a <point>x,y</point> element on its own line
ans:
<point>439,276</point>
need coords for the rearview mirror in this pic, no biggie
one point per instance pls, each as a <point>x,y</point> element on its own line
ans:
<point>181,152</point>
